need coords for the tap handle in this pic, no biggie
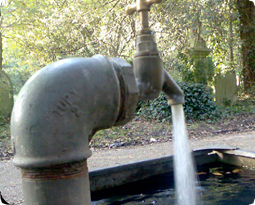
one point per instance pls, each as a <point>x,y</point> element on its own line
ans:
<point>130,9</point>
<point>141,5</point>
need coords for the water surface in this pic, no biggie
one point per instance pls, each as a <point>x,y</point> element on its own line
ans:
<point>218,186</point>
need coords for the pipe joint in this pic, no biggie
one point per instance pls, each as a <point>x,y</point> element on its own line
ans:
<point>128,91</point>
<point>56,114</point>
<point>60,108</point>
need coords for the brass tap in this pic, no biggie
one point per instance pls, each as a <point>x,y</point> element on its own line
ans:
<point>151,78</point>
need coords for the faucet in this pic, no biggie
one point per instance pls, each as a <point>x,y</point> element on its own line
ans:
<point>150,75</point>
<point>64,104</point>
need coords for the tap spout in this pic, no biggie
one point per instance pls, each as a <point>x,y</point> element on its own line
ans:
<point>172,90</point>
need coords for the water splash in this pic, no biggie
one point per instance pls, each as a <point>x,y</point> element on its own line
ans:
<point>184,170</point>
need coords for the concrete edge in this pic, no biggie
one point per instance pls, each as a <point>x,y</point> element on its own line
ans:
<point>123,174</point>
<point>241,158</point>
<point>110,177</point>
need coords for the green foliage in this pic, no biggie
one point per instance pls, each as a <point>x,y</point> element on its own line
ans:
<point>156,109</point>
<point>4,127</point>
<point>199,105</point>
<point>18,76</point>
<point>36,33</point>
<point>199,102</point>
<point>199,71</point>
<point>245,103</point>
<point>204,71</point>
<point>48,30</point>
<point>240,107</point>
<point>185,68</point>
<point>4,120</point>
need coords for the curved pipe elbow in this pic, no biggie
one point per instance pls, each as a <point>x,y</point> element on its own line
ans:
<point>61,107</point>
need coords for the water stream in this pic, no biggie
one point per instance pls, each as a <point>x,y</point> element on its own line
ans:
<point>184,170</point>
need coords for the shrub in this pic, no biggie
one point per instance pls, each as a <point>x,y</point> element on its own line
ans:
<point>156,109</point>
<point>199,105</point>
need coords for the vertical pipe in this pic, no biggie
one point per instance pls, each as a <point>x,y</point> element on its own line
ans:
<point>62,184</point>
<point>55,115</point>
<point>144,15</point>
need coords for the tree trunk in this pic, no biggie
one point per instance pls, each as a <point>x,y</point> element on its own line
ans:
<point>1,43</point>
<point>231,34</point>
<point>247,33</point>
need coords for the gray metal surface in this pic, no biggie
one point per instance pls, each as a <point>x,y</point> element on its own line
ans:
<point>56,114</point>
<point>128,91</point>
<point>60,107</point>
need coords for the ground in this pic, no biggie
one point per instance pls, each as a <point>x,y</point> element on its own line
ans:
<point>140,132</point>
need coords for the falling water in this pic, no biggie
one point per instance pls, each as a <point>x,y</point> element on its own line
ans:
<point>185,179</point>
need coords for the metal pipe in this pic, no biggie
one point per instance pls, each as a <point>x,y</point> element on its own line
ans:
<point>62,106</point>
<point>145,18</point>
<point>172,91</point>
<point>150,75</point>
<point>55,116</point>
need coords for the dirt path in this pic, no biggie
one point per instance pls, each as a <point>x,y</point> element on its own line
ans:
<point>10,178</point>
<point>113,157</point>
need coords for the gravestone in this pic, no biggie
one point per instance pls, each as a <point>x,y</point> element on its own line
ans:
<point>6,94</point>
<point>199,50</point>
<point>226,89</point>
